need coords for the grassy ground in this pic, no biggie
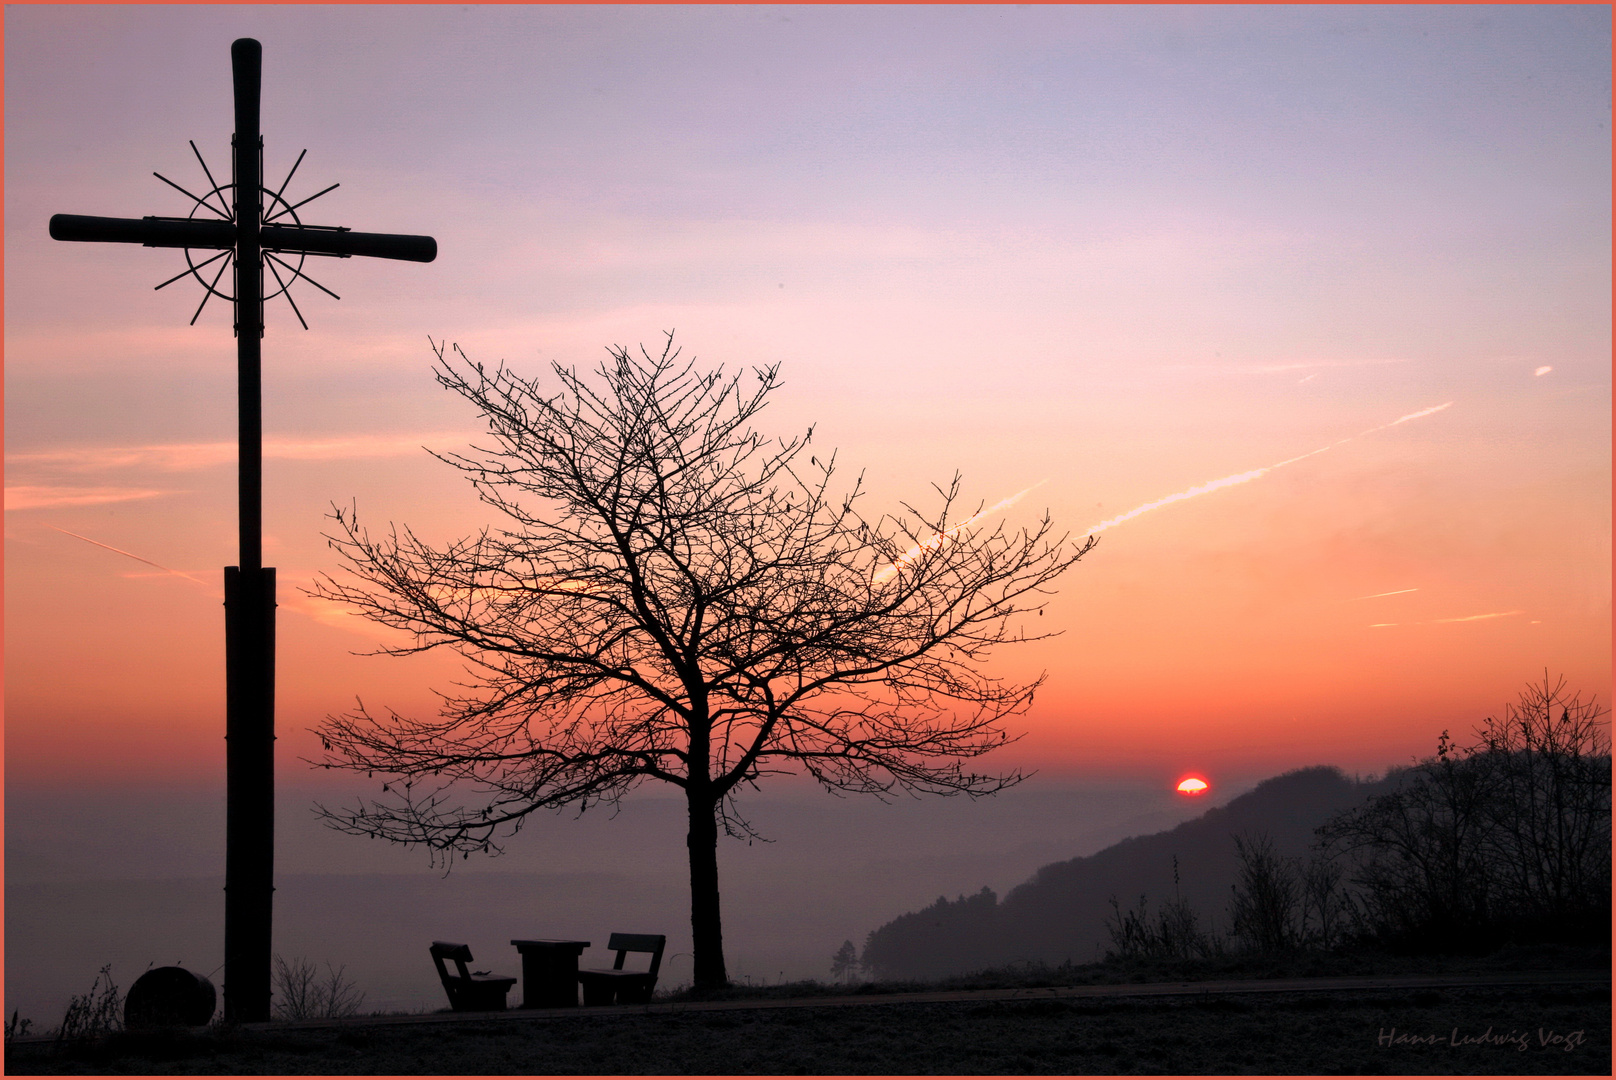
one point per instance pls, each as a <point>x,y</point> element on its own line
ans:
<point>1363,960</point>
<point>1469,1031</point>
<point>1526,1030</point>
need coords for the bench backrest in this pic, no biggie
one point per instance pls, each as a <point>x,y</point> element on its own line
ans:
<point>646,943</point>
<point>460,954</point>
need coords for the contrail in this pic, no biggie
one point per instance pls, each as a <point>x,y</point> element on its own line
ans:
<point>1477,618</point>
<point>938,538</point>
<point>1247,477</point>
<point>1394,592</point>
<point>1460,618</point>
<point>133,556</point>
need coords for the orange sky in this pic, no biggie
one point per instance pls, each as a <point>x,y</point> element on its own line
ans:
<point>1044,267</point>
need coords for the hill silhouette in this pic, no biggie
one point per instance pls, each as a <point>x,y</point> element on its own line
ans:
<point>1060,914</point>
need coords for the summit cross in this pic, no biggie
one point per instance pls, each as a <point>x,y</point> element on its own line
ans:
<point>245,233</point>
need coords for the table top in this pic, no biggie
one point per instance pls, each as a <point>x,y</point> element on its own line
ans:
<point>548,943</point>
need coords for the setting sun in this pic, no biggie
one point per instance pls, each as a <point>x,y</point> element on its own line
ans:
<point>1194,785</point>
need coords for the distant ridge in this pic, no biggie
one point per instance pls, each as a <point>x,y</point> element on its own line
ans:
<point>1059,914</point>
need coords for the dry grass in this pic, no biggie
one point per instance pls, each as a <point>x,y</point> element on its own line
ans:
<point>1341,1032</point>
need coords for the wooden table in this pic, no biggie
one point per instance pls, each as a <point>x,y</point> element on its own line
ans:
<point>549,972</point>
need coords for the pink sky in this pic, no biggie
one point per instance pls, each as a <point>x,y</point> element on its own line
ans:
<point>1121,254</point>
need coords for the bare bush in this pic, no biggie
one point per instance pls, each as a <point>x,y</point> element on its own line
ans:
<point>1175,933</point>
<point>94,1014</point>
<point>302,993</point>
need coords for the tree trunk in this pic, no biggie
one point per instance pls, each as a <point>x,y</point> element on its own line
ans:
<point>706,929</point>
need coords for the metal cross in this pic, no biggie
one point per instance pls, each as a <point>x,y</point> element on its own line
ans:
<point>248,233</point>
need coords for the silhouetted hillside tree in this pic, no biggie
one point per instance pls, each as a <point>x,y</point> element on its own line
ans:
<point>1508,838</point>
<point>845,964</point>
<point>1548,806</point>
<point>947,937</point>
<point>1329,914</point>
<point>1418,851</point>
<point>672,596</point>
<point>1265,906</point>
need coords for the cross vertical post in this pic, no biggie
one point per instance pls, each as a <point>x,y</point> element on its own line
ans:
<point>247,61</point>
<point>247,237</point>
<point>249,872</point>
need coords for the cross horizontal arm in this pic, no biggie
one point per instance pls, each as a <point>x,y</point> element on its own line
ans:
<point>332,242</point>
<point>171,233</point>
<point>153,232</point>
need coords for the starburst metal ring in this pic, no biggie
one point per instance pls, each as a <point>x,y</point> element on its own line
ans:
<point>268,212</point>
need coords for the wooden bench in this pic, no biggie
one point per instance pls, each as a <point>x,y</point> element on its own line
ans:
<point>469,991</point>
<point>607,986</point>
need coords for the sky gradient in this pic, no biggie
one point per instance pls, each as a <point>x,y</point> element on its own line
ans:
<point>1325,289</point>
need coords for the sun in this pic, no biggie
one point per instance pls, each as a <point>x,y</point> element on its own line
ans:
<point>1193,785</point>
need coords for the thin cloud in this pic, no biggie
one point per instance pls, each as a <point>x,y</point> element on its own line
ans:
<point>361,446</point>
<point>1544,370</point>
<point>41,497</point>
<point>184,457</point>
<point>173,457</point>
<point>1314,365</point>
<point>295,598</point>
<point>1291,365</point>
<point>1394,592</point>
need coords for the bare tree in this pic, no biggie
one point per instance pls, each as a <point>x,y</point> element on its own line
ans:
<point>674,597</point>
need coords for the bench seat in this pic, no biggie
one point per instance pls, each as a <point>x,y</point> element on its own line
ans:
<point>469,991</point>
<point>614,986</point>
